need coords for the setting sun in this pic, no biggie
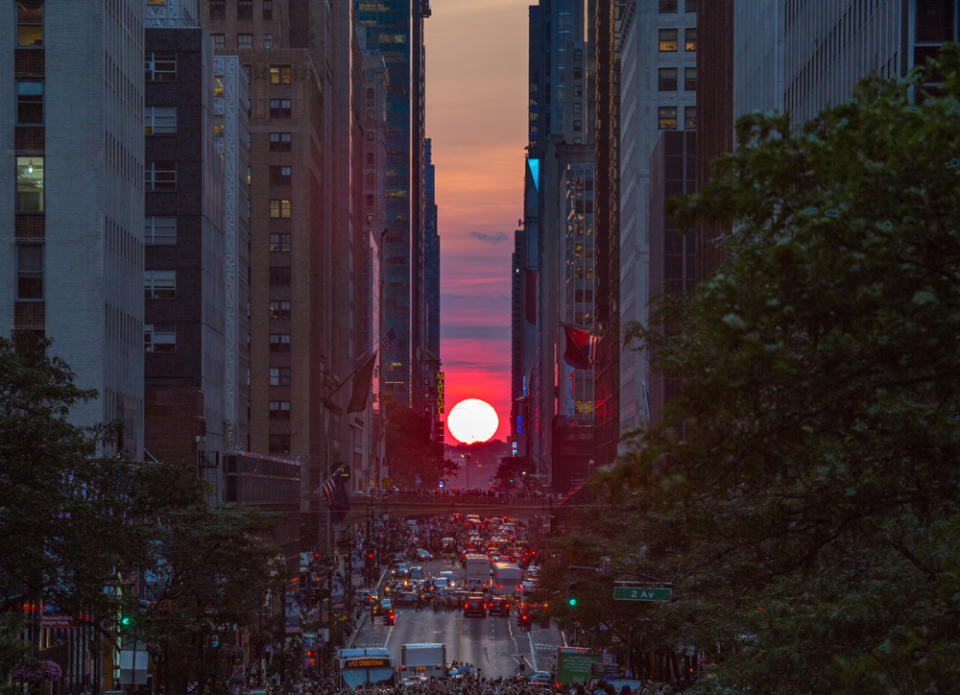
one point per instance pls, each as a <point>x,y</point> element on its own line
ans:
<point>472,420</point>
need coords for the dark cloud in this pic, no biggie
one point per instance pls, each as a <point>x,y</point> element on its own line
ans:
<point>495,238</point>
<point>475,332</point>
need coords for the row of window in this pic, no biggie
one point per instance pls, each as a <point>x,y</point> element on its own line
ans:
<point>163,338</point>
<point>669,40</point>
<point>671,6</point>
<point>218,9</point>
<point>667,118</point>
<point>244,41</point>
<point>162,284</point>
<point>668,79</point>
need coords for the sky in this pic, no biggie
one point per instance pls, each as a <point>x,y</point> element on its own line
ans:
<point>476,72</point>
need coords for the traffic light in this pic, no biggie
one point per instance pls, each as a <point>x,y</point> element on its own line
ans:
<point>125,621</point>
<point>572,594</point>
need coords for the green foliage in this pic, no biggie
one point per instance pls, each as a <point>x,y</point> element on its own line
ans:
<point>410,452</point>
<point>802,490</point>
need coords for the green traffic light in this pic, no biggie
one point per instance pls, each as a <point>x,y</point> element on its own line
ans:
<point>125,620</point>
<point>571,601</point>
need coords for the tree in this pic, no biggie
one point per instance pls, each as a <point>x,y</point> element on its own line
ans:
<point>410,452</point>
<point>802,490</point>
<point>511,471</point>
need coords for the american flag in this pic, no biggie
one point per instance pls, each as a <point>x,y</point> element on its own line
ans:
<point>328,489</point>
<point>389,342</point>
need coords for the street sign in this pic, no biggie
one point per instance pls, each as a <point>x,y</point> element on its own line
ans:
<point>642,593</point>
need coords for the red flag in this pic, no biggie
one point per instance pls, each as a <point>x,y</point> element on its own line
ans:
<point>581,348</point>
<point>361,385</point>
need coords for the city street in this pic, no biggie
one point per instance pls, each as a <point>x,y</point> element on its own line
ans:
<point>493,645</point>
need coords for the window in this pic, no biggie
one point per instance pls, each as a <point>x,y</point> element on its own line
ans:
<point>160,177</point>
<point>689,117</point>
<point>279,276</point>
<point>668,6</point>
<point>159,338</point>
<point>281,74</point>
<point>218,85</point>
<point>280,208</point>
<point>30,272</point>
<point>690,5</point>
<point>667,118</point>
<point>29,184</point>
<point>578,107</point>
<point>279,309</point>
<point>218,9</point>
<point>668,40</point>
<point>29,102</point>
<point>578,91</point>
<point>160,231</point>
<point>370,158</point>
<point>668,79</point>
<point>159,284</point>
<point>244,40</point>
<point>160,120</point>
<point>160,66</point>
<point>279,443</point>
<point>279,410</point>
<point>268,9</point>
<point>218,125</point>
<point>266,40</point>
<point>244,9</point>
<point>279,142</point>
<point>280,243</point>
<point>219,40</point>
<point>690,79</point>
<point>578,125</point>
<point>279,342</point>
<point>30,23</point>
<point>690,39</point>
<point>280,175</point>
<point>280,108</point>
<point>279,376</point>
<point>934,21</point>
<point>369,200</point>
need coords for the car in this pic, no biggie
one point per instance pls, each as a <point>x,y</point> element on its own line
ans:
<point>385,606</point>
<point>401,570</point>
<point>541,679</point>
<point>389,618</point>
<point>406,598</point>
<point>416,572</point>
<point>499,605</point>
<point>413,681</point>
<point>424,554</point>
<point>475,604</point>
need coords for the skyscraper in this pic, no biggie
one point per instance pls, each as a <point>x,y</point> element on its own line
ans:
<point>72,211</point>
<point>395,29</point>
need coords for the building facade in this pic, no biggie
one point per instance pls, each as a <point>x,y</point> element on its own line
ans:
<point>72,234</point>
<point>658,93</point>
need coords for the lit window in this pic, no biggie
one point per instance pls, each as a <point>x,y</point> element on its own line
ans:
<point>160,231</point>
<point>218,85</point>
<point>158,338</point>
<point>160,120</point>
<point>690,39</point>
<point>29,184</point>
<point>280,208</point>
<point>159,284</point>
<point>668,40</point>
<point>160,66</point>
<point>667,118</point>
<point>29,102</point>
<point>30,272</point>
<point>30,23</point>
<point>218,125</point>
<point>281,74</point>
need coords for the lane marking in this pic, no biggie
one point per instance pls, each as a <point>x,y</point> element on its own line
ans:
<point>533,652</point>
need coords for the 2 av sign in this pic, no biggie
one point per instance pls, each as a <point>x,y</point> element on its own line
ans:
<point>641,593</point>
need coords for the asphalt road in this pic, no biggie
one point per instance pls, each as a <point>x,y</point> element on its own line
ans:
<point>494,645</point>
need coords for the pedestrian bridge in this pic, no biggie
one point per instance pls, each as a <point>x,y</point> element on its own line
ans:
<point>410,505</point>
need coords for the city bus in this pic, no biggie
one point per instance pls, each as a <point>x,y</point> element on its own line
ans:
<point>366,666</point>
